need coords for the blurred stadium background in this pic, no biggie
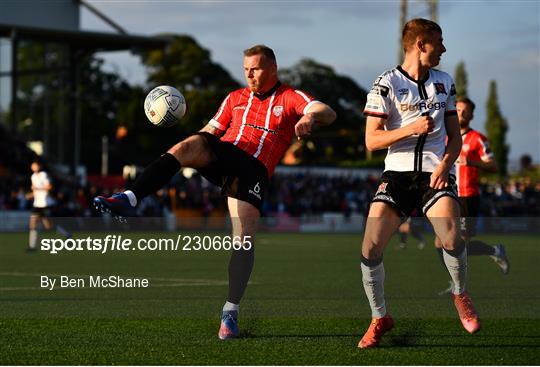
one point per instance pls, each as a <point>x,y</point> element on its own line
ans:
<point>60,100</point>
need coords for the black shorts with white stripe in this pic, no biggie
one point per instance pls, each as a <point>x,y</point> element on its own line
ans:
<point>239,175</point>
<point>407,191</point>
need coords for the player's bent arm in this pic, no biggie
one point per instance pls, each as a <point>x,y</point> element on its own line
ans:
<point>488,165</point>
<point>322,113</point>
<point>377,138</point>
<point>453,145</point>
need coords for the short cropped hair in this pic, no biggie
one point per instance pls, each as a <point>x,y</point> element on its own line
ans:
<point>467,101</point>
<point>417,27</point>
<point>261,50</point>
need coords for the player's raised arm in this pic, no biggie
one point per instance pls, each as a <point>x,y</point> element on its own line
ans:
<point>322,113</point>
<point>318,113</point>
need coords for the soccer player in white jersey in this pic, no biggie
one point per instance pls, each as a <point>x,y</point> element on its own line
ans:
<point>43,202</point>
<point>411,112</point>
<point>237,150</point>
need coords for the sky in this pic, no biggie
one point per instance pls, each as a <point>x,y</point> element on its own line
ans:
<point>497,40</point>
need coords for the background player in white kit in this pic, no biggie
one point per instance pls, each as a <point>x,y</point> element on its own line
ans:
<point>42,205</point>
<point>411,111</point>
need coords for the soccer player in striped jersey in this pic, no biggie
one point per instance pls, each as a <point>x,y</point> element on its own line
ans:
<point>411,112</point>
<point>475,155</point>
<point>237,150</point>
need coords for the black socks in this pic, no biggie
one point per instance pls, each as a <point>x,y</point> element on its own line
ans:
<point>240,267</point>
<point>476,248</point>
<point>155,176</point>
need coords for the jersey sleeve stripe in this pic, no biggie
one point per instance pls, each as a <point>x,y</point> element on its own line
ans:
<point>215,123</point>
<point>303,95</point>
<point>222,107</point>
<point>375,114</point>
<point>308,106</point>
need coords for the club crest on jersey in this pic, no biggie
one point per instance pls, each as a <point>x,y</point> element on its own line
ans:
<point>439,88</point>
<point>403,91</point>
<point>277,110</point>
<point>382,188</point>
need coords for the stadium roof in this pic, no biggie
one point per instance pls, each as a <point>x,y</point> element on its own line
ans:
<point>98,41</point>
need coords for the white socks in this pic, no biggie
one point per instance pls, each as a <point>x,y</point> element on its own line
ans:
<point>457,267</point>
<point>132,198</point>
<point>373,279</point>
<point>230,307</point>
<point>32,239</point>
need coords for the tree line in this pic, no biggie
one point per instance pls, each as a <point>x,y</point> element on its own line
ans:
<point>112,107</point>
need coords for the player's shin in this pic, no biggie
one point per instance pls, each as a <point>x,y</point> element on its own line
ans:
<point>456,263</point>
<point>240,267</point>
<point>32,239</point>
<point>373,280</point>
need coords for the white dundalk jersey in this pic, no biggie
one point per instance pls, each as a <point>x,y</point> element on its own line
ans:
<point>40,183</point>
<point>401,100</point>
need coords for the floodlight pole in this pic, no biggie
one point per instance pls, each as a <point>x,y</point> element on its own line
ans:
<point>402,21</point>
<point>74,106</point>
<point>14,80</point>
<point>433,10</point>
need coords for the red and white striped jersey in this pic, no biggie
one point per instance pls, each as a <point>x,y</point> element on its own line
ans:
<point>475,147</point>
<point>262,125</point>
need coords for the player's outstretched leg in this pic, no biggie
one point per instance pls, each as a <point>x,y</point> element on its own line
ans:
<point>497,253</point>
<point>501,259</point>
<point>191,152</point>
<point>155,176</point>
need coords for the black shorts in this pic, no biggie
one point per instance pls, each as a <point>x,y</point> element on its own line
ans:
<point>239,175</point>
<point>41,212</point>
<point>407,191</point>
<point>469,212</point>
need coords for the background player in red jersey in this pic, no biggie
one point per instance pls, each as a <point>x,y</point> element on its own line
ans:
<point>238,151</point>
<point>475,155</point>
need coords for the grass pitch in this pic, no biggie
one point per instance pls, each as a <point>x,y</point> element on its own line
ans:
<point>305,305</point>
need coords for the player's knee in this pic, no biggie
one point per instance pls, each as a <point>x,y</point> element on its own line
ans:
<point>181,149</point>
<point>371,249</point>
<point>452,242</point>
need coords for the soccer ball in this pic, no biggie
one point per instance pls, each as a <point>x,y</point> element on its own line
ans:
<point>164,106</point>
